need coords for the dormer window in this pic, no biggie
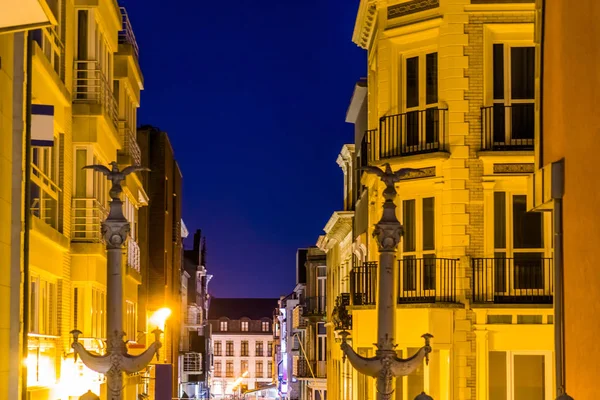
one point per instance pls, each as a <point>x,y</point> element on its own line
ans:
<point>223,326</point>
<point>244,326</point>
<point>265,326</point>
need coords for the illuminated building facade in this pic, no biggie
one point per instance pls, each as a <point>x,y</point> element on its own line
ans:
<point>162,226</point>
<point>242,339</point>
<point>195,356</point>
<point>564,184</point>
<point>450,91</point>
<point>308,325</point>
<point>85,90</point>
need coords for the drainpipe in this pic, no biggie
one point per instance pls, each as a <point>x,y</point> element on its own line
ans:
<point>558,179</point>
<point>27,213</point>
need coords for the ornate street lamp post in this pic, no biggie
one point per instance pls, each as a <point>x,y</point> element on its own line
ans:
<point>114,231</point>
<point>386,366</point>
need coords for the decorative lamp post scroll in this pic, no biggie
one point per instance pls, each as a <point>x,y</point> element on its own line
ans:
<point>385,366</point>
<point>115,230</point>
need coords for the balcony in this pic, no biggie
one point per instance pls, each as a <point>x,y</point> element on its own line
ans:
<point>525,279</point>
<point>426,280</point>
<point>363,284</point>
<point>86,220</point>
<point>44,197</point>
<point>52,47</point>
<point>133,255</point>
<point>507,128</point>
<point>126,35</point>
<point>92,87</point>
<point>298,319</point>
<point>309,369</point>
<point>314,306</point>
<point>414,132</point>
<point>130,152</point>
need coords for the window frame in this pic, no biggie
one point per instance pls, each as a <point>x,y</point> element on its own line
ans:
<point>244,326</point>
<point>510,355</point>
<point>223,324</point>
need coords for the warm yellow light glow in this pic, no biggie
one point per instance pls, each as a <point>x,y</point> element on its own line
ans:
<point>237,382</point>
<point>159,318</point>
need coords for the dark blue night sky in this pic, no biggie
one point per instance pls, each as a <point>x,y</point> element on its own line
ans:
<point>253,95</point>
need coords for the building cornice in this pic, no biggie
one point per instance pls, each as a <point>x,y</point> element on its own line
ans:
<point>338,226</point>
<point>345,155</point>
<point>365,23</point>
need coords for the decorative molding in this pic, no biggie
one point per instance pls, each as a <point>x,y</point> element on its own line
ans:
<point>338,226</point>
<point>411,7</point>
<point>502,1</point>
<point>514,168</point>
<point>365,23</point>
<point>426,172</point>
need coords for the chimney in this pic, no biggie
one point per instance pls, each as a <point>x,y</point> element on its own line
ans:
<point>197,237</point>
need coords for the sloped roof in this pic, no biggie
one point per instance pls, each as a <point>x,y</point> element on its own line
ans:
<point>252,308</point>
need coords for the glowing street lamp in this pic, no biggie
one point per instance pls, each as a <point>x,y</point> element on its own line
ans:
<point>159,318</point>
<point>115,231</point>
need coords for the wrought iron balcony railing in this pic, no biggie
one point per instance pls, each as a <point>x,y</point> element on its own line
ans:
<point>314,305</point>
<point>505,128</point>
<point>92,87</point>
<point>413,132</point>
<point>126,35</point>
<point>426,280</point>
<point>130,145</point>
<point>87,217</point>
<point>527,278</point>
<point>363,284</point>
<point>133,254</point>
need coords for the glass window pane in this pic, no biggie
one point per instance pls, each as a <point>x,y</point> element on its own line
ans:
<point>429,223</point>
<point>412,82</point>
<point>409,273</point>
<point>522,71</point>
<point>528,232</point>
<point>497,375</point>
<point>429,271</point>
<point>522,121</point>
<point>498,60</point>
<point>529,272</point>
<point>81,174</point>
<point>431,64</point>
<point>408,212</point>
<point>499,220</point>
<point>528,377</point>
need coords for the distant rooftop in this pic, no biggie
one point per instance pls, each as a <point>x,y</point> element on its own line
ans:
<point>252,308</point>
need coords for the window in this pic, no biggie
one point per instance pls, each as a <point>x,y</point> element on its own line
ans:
<point>44,183</point>
<point>418,266</point>
<point>265,326</point>
<point>269,349</point>
<point>131,320</point>
<point>229,348</point>
<point>223,326</point>
<point>513,93</point>
<point>243,366</point>
<point>218,370</point>
<point>421,100</point>
<point>244,326</point>
<point>519,247</point>
<point>43,310</point>
<point>42,358</point>
<point>259,349</point>
<point>269,369</point>
<point>259,369</point>
<point>244,348</point>
<point>218,349</point>
<point>229,368</point>
<point>519,376</point>
<point>98,313</point>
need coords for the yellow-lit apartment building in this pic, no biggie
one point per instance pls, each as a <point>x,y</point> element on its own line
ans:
<point>85,89</point>
<point>450,90</point>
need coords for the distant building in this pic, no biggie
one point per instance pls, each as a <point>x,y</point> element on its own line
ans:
<point>161,226</point>
<point>242,335</point>
<point>195,357</point>
<point>288,346</point>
